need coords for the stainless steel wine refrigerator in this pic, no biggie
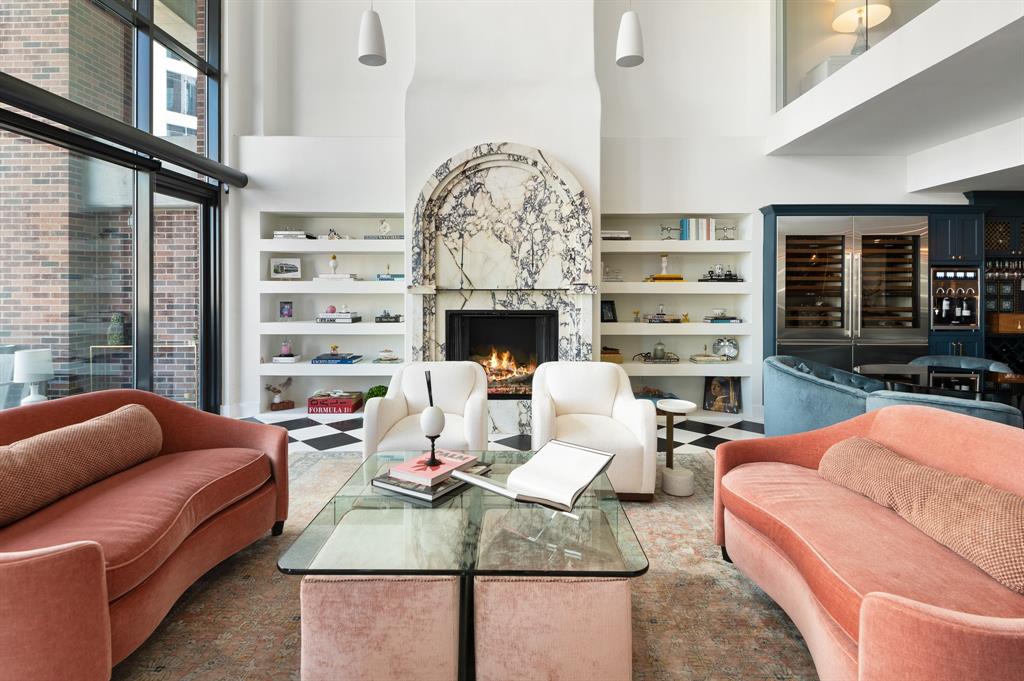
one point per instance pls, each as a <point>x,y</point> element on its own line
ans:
<point>852,290</point>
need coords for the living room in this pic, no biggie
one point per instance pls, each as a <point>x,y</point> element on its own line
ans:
<point>306,307</point>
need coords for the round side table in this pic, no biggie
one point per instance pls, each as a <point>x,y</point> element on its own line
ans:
<point>677,482</point>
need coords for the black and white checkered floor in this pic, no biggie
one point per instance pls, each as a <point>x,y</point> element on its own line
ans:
<point>344,432</point>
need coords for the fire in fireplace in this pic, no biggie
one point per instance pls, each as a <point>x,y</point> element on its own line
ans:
<point>507,344</point>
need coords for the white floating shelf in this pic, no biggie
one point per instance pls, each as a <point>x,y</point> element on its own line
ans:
<point>285,286</point>
<point>677,288</point>
<point>356,329</point>
<point>686,368</point>
<point>684,329</point>
<point>674,246</point>
<point>364,368</point>
<point>332,245</point>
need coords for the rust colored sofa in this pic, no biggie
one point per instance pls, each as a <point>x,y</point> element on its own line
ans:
<point>875,598</point>
<point>85,580</point>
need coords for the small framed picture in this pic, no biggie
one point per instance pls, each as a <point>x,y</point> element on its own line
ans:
<point>722,394</point>
<point>608,311</point>
<point>990,305</point>
<point>1006,304</point>
<point>1006,288</point>
<point>285,268</point>
<point>285,310</point>
<point>990,289</point>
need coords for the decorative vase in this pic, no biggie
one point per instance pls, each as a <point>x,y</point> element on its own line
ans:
<point>115,330</point>
<point>432,423</point>
<point>277,398</point>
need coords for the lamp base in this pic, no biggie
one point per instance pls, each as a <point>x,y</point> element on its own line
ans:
<point>34,396</point>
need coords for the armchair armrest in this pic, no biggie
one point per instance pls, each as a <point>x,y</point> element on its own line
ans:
<point>476,422</point>
<point>55,615</point>
<point>542,416</point>
<point>801,449</point>
<point>379,416</point>
<point>640,417</point>
<point>905,639</point>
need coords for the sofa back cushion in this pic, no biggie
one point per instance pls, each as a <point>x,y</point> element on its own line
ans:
<point>990,452</point>
<point>983,524</point>
<point>44,468</point>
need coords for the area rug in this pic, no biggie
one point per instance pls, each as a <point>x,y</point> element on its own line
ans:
<point>694,616</point>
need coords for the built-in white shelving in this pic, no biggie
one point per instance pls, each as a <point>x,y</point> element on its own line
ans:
<point>350,287</point>
<point>684,329</point>
<point>332,245</point>
<point>313,328</point>
<point>363,368</point>
<point>685,368</point>
<point>677,288</point>
<point>674,246</point>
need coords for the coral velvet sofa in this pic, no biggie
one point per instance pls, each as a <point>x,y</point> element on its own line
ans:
<point>875,598</point>
<point>85,580</point>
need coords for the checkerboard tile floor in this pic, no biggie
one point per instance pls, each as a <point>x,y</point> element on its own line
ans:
<point>344,432</point>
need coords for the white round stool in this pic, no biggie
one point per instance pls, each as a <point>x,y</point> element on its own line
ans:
<point>677,482</point>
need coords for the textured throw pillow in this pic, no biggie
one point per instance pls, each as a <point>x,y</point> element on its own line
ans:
<point>37,471</point>
<point>983,524</point>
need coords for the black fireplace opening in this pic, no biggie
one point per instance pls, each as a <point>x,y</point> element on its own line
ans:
<point>509,345</point>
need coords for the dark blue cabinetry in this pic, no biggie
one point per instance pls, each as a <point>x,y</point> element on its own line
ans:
<point>962,344</point>
<point>1004,237</point>
<point>956,238</point>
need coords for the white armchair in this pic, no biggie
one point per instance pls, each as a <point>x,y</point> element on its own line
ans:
<point>592,404</point>
<point>392,423</point>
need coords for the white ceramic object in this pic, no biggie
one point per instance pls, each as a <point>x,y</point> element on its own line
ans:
<point>677,481</point>
<point>432,421</point>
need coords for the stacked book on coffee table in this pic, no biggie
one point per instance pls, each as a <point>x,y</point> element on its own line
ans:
<point>420,483</point>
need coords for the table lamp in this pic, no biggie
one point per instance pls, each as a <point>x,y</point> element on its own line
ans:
<point>33,367</point>
<point>857,16</point>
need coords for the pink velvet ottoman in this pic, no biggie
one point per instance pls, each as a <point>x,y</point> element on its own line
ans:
<point>380,628</point>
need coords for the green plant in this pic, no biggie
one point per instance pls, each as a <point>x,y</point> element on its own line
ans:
<point>377,391</point>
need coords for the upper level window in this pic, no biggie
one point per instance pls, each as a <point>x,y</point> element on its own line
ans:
<point>181,94</point>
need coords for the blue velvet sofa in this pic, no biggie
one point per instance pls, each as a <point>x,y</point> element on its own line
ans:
<point>802,395</point>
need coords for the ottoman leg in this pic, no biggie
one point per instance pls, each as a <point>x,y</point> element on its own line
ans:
<point>564,628</point>
<point>379,628</point>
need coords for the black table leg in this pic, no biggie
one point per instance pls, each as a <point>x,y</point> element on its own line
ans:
<point>467,652</point>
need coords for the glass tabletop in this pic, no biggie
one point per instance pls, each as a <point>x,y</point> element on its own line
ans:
<point>949,381</point>
<point>363,530</point>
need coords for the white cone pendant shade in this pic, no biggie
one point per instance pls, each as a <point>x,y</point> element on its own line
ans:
<point>629,48</point>
<point>372,51</point>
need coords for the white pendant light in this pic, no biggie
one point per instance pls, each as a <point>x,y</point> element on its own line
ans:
<point>372,51</point>
<point>629,48</point>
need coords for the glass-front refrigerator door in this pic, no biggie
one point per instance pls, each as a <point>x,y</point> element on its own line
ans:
<point>813,296</point>
<point>890,279</point>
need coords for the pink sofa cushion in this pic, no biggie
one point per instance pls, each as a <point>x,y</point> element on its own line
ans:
<point>983,524</point>
<point>846,546</point>
<point>39,470</point>
<point>140,516</point>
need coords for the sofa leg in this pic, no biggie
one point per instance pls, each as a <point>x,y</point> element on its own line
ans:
<point>277,529</point>
<point>725,555</point>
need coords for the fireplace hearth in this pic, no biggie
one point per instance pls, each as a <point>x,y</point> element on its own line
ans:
<point>508,344</point>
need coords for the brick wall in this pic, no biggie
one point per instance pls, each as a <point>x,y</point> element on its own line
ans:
<point>176,275</point>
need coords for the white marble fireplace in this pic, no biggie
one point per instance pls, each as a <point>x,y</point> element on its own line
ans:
<point>501,226</point>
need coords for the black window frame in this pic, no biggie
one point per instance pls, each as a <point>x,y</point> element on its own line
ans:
<point>90,134</point>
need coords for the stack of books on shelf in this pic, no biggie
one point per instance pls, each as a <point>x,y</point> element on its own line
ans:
<point>612,274</point>
<point>336,358</point>
<point>722,319</point>
<point>286,359</point>
<point>697,229</point>
<point>338,318</point>
<point>337,276</point>
<point>665,277</point>
<point>615,235</point>
<point>292,234</point>
<point>419,483</point>
<point>383,237</point>
<point>334,402</point>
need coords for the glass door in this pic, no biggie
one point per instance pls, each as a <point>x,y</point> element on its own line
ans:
<point>890,278</point>
<point>813,299</point>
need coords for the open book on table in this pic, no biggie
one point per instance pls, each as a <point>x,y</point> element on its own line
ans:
<point>555,476</point>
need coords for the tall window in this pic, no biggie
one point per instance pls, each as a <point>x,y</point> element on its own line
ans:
<point>106,265</point>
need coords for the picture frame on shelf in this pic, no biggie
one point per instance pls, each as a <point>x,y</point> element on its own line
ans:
<point>608,311</point>
<point>285,310</point>
<point>285,268</point>
<point>723,394</point>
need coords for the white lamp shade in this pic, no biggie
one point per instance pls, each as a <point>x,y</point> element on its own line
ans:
<point>372,51</point>
<point>629,48</point>
<point>846,13</point>
<point>32,366</point>
<point>432,421</point>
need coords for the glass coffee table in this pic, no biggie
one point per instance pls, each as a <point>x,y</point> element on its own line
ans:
<point>366,531</point>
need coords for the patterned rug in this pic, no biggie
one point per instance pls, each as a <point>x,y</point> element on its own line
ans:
<point>694,616</point>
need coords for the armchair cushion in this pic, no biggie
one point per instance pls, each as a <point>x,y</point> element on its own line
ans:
<point>73,457</point>
<point>453,384</point>
<point>141,515</point>
<point>582,387</point>
<point>846,546</point>
<point>983,524</point>
<point>407,435</point>
<point>606,434</point>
